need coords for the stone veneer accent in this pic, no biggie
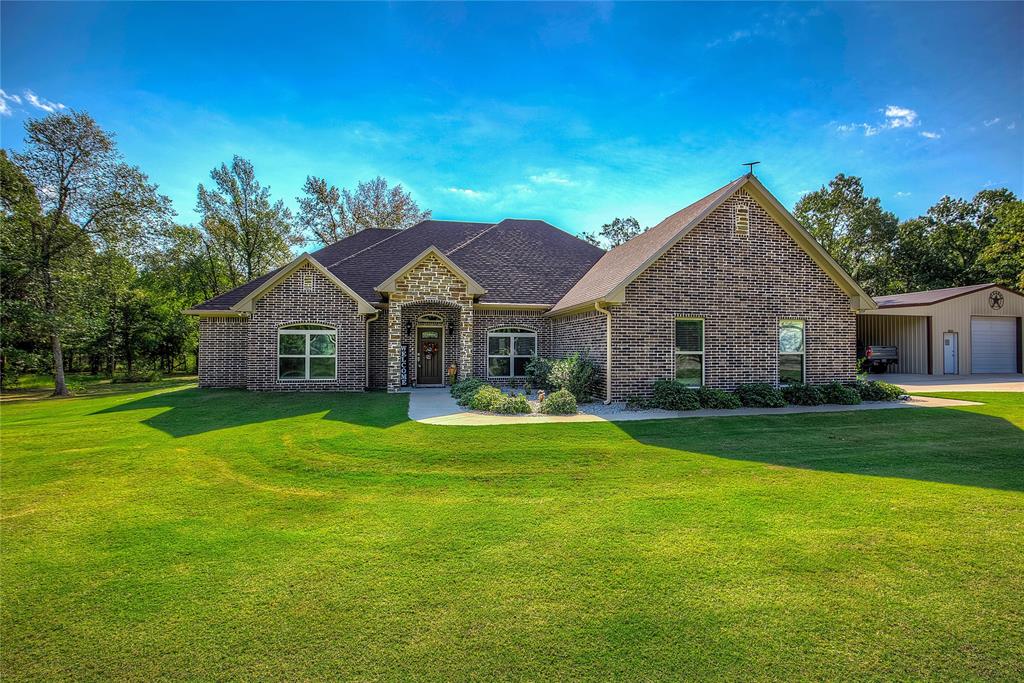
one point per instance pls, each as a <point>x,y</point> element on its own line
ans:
<point>488,320</point>
<point>428,282</point>
<point>742,286</point>
<point>222,352</point>
<point>288,303</point>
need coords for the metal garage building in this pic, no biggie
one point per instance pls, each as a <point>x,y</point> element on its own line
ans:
<point>955,331</point>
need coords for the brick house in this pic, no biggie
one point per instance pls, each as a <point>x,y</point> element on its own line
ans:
<point>730,289</point>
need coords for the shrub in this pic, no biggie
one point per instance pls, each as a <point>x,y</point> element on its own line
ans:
<point>802,395</point>
<point>673,395</point>
<point>511,405</point>
<point>561,402</point>
<point>716,398</point>
<point>760,395</point>
<point>464,390</point>
<point>638,403</point>
<point>878,391</point>
<point>485,398</point>
<point>538,373</point>
<point>575,373</point>
<point>837,394</point>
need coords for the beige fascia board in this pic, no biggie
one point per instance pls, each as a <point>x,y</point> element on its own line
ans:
<point>206,313</point>
<point>246,304</point>
<point>586,306</point>
<point>391,284</point>
<point>497,305</point>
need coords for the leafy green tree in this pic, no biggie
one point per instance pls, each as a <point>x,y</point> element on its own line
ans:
<point>331,214</point>
<point>612,234</point>
<point>248,232</point>
<point>854,229</point>
<point>1003,258</point>
<point>86,194</point>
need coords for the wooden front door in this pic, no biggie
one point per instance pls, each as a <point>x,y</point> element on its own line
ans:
<point>429,355</point>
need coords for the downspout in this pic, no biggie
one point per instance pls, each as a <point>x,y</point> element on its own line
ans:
<point>607,352</point>
<point>366,346</point>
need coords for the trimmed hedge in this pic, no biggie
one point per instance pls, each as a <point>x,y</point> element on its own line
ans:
<point>485,398</point>
<point>838,394</point>
<point>878,391</point>
<point>716,398</point>
<point>803,395</point>
<point>511,405</point>
<point>464,390</point>
<point>561,402</point>
<point>674,395</point>
<point>760,395</point>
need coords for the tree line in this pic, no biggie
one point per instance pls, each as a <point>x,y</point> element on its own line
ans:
<point>95,270</point>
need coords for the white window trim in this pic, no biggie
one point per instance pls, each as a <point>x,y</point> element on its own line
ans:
<point>292,330</point>
<point>802,354</point>
<point>511,355</point>
<point>702,353</point>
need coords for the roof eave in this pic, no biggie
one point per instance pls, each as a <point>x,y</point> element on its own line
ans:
<point>246,304</point>
<point>391,284</point>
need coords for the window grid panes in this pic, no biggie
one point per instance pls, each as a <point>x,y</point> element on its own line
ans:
<point>306,352</point>
<point>792,352</point>
<point>509,351</point>
<point>690,351</point>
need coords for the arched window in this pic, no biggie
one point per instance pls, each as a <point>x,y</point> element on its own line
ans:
<point>509,349</point>
<point>306,351</point>
<point>430,318</point>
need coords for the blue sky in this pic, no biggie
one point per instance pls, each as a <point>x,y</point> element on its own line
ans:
<point>574,113</point>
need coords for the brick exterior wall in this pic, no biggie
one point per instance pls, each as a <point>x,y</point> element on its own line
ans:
<point>222,352</point>
<point>485,321</point>
<point>288,303</point>
<point>428,282</point>
<point>379,352</point>
<point>742,286</point>
<point>583,333</point>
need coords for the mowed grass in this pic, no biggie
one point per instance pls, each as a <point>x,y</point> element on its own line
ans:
<point>185,533</point>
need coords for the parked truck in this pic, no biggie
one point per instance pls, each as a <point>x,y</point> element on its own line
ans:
<point>877,358</point>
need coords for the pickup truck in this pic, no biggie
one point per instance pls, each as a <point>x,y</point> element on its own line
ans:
<point>879,358</point>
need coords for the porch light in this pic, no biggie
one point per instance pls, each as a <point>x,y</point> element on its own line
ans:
<point>408,328</point>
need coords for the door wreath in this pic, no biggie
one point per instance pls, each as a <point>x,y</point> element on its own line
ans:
<point>429,349</point>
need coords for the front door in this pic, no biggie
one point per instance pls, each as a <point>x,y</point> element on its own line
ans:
<point>429,359</point>
<point>949,354</point>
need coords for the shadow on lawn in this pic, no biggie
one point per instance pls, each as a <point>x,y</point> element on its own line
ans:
<point>195,411</point>
<point>935,444</point>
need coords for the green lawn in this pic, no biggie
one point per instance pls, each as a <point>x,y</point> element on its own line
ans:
<point>184,533</point>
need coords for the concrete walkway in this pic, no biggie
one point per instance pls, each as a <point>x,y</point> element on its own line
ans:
<point>935,383</point>
<point>437,407</point>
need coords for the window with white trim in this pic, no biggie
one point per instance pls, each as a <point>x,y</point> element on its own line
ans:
<point>509,350</point>
<point>306,352</point>
<point>792,352</point>
<point>690,351</point>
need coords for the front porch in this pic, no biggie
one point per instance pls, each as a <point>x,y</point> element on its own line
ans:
<point>426,338</point>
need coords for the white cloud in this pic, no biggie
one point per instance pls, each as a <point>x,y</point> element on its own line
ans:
<point>39,103</point>
<point>930,135</point>
<point>550,178</point>
<point>465,192</point>
<point>868,129</point>
<point>899,117</point>
<point>992,122</point>
<point>901,194</point>
<point>5,109</point>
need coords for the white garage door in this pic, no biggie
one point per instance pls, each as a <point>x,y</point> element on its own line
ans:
<point>993,345</point>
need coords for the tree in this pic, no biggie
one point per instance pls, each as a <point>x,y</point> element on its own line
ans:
<point>1003,258</point>
<point>86,193</point>
<point>616,232</point>
<point>854,229</point>
<point>332,214</point>
<point>251,234</point>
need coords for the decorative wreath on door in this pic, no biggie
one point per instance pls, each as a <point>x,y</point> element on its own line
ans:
<point>429,349</point>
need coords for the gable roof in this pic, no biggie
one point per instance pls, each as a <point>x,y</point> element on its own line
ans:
<point>607,280</point>
<point>515,261</point>
<point>391,284</point>
<point>933,296</point>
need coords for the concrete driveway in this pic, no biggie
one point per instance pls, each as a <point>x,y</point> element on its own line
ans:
<point>925,383</point>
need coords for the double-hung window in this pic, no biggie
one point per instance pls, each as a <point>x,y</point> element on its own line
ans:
<point>306,352</point>
<point>509,350</point>
<point>792,352</point>
<point>690,351</point>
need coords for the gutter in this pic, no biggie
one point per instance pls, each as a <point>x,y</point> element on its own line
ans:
<point>366,347</point>
<point>607,352</point>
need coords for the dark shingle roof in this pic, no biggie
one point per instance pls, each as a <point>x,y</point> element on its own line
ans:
<point>516,261</point>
